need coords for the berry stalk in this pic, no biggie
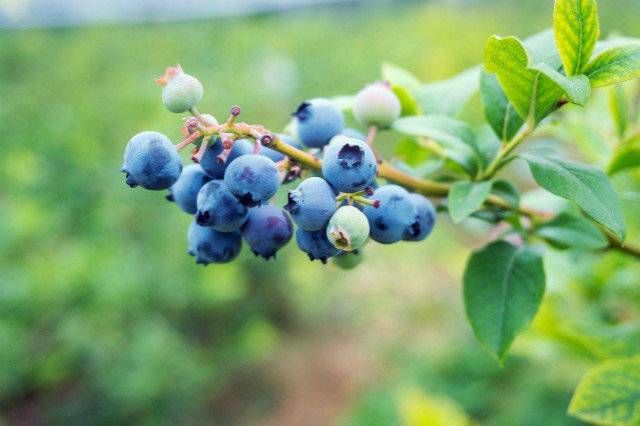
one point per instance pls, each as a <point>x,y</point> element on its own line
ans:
<point>436,189</point>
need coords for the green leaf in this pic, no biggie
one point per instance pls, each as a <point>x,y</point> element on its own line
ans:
<point>448,97</point>
<point>576,88</point>
<point>568,230</point>
<point>487,144</point>
<point>576,29</point>
<point>407,101</point>
<point>615,41</point>
<point>400,77</point>
<point>609,393</point>
<point>499,112</point>
<point>615,65</point>
<point>585,185</point>
<point>503,288</point>
<point>619,111</point>
<point>454,136</point>
<point>507,192</point>
<point>411,152</point>
<point>604,340</point>
<point>531,92</point>
<point>466,197</point>
<point>626,158</point>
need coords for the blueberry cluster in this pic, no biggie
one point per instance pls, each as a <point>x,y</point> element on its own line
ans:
<point>229,187</point>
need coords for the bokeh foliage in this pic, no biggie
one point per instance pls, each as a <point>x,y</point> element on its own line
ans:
<point>103,317</point>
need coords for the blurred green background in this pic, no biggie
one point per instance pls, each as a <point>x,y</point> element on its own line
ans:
<point>104,319</point>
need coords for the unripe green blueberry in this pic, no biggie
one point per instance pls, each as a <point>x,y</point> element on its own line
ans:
<point>376,105</point>
<point>180,91</point>
<point>348,260</point>
<point>348,228</point>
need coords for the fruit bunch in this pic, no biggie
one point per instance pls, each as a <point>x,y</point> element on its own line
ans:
<point>238,168</point>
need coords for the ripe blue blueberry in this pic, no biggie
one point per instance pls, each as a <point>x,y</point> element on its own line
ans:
<point>278,156</point>
<point>254,179</point>
<point>311,204</point>
<point>218,208</point>
<point>349,165</point>
<point>185,190</point>
<point>353,133</point>
<point>318,120</point>
<point>377,105</point>
<point>395,218</point>
<point>425,219</point>
<point>267,230</point>
<point>348,228</point>
<point>151,161</point>
<point>316,244</point>
<point>215,168</point>
<point>211,246</point>
<point>180,91</point>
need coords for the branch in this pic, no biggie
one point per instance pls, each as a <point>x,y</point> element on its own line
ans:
<point>436,189</point>
<point>390,173</point>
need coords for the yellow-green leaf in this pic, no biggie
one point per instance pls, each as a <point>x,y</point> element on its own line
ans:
<point>408,103</point>
<point>615,65</point>
<point>531,92</point>
<point>576,29</point>
<point>625,158</point>
<point>609,394</point>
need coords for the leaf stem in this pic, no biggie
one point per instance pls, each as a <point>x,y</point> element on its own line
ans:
<point>506,149</point>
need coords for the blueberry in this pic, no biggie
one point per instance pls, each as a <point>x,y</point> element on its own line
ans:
<point>396,216</point>
<point>348,259</point>
<point>252,178</point>
<point>348,228</point>
<point>181,91</point>
<point>218,208</point>
<point>316,244</point>
<point>311,204</point>
<point>267,230</point>
<point>376,105</point>
<point>349,165</point>
<point>213,167</point>
<point>211,246</point>
<point>425,219</point>
<point>151,161</point>
<point>278,156</point>
<point>318,120</point>
<point>185,190</point>
<point>353,133</point>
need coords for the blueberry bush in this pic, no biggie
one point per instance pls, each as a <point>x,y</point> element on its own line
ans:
<point>348,193</point>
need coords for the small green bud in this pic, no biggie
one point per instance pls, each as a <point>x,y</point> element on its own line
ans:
<point>377,105</point>
<point>348,228</point>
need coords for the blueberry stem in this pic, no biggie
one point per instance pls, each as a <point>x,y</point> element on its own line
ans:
<point>371,136</point>
<point>189,139</point>
<point>197,157</point>
<point>199,116</point>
